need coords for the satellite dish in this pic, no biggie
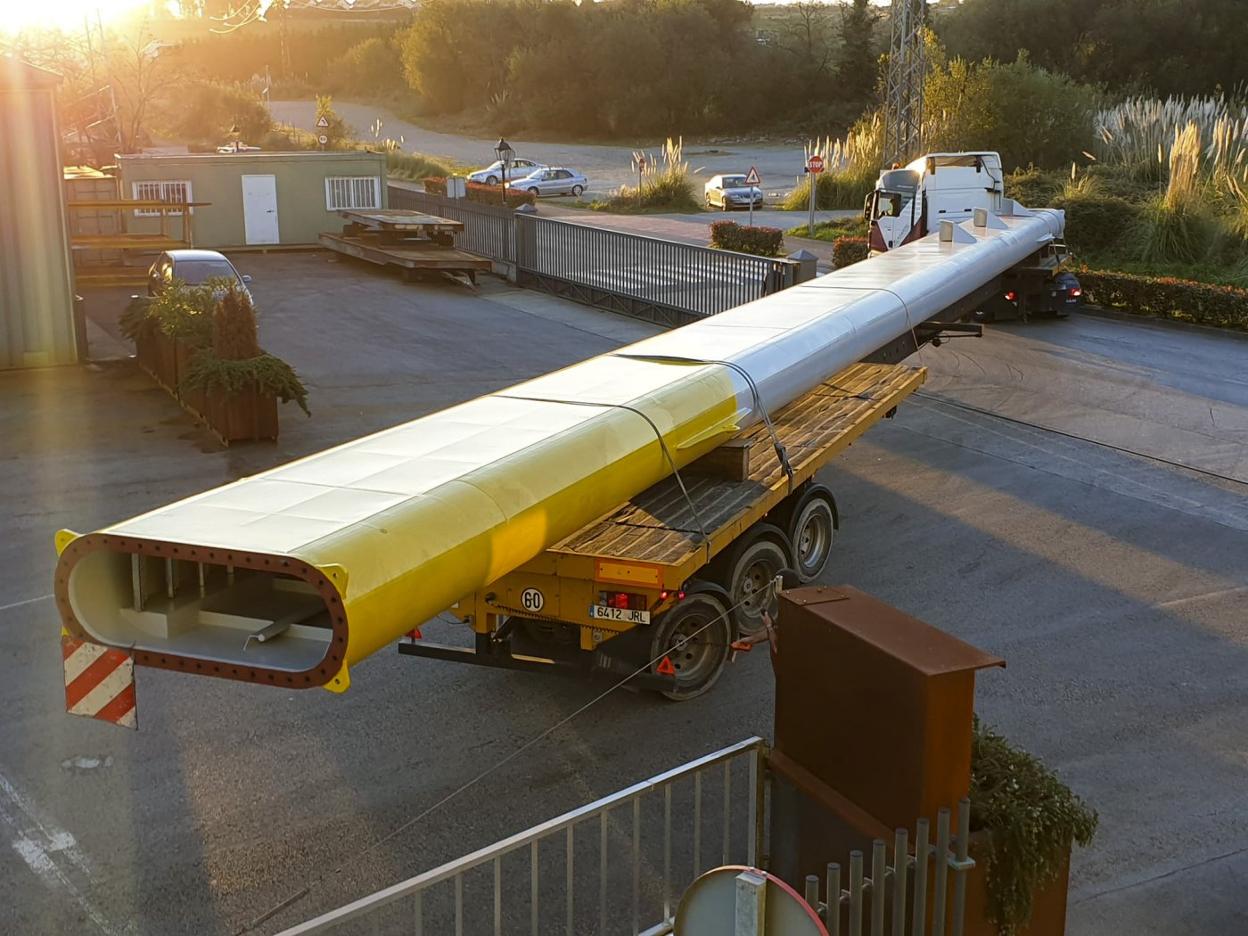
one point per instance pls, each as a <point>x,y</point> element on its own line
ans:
<point>726,901</point>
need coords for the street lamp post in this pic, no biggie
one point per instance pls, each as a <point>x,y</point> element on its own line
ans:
<point>504,152</point>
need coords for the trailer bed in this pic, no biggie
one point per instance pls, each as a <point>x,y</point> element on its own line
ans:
<point>661,526</point>
<point>410,256</point>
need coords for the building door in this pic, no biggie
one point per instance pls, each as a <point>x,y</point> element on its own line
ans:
<point>260,209</point>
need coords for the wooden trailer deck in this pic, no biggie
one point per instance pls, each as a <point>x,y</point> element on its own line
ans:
<point>415,242</point>
<point>659,525</point>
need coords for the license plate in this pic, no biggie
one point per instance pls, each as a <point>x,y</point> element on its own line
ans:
<point>624,615</point>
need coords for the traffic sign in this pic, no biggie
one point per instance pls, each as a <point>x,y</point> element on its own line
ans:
<point>814,163</point>
<point>322,139</point>
<point>752,178</point>
<point>322,122</point>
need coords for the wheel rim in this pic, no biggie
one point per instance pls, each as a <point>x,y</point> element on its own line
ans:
<point>812,540</point>
<point>752,592</point>
<point>691,649</point>
<point>492,180</point>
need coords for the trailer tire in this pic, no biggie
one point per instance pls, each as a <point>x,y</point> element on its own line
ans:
<point>694,636</point>
<point>811,526</point>
<point>757,558</point>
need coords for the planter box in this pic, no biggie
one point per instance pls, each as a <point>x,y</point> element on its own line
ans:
<point>1048,905</point>
<point>184,352</point>
<point>235,417</point>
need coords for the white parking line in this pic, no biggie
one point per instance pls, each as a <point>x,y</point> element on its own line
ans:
<point>49,852</point>
<point>22,604</point>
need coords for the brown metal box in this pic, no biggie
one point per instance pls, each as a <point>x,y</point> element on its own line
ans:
<point>875,703</point>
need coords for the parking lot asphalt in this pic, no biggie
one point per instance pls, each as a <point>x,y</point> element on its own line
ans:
<point>1109,573</point>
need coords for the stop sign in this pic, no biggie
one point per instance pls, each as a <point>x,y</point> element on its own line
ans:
<point>814,164</point>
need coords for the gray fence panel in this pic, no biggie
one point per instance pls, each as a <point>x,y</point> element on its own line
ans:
<point>662,281</point>
<point>489,231</point>
<point>682,282</point>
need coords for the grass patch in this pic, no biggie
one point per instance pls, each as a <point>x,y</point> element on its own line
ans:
<point>833,230</point>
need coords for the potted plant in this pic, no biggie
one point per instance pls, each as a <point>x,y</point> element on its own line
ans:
<point>234,383</point>
<point>1024,821</point>
<point>166,328</point>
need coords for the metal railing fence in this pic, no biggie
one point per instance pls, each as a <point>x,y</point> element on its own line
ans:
<point>661,281</point>
<point>688,832</point>
<point>633,272</point>
<point>489,230</point>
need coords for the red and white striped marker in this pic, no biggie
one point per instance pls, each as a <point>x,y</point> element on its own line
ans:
<point>99,681</point>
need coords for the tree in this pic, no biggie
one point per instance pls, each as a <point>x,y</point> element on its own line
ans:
<point>140,73</point>
<point>858,67</point>
<point>336,130</point>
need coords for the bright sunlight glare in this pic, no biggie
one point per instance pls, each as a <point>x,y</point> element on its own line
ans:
<point>19,15</point>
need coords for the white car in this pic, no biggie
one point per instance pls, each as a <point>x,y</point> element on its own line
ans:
<point>493,173</point>
<point>730,191</point>
<point>552,181</point>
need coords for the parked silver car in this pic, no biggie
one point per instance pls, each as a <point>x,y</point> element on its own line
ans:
<point>552,181</point>
<point>493,173</point>
<point>193,267</point>
<point>730,191</point>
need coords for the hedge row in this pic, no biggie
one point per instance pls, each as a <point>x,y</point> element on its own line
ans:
<point>762,241</point>
<point>847,250</point>
<point>486,194</point>
<point>1167,297</point>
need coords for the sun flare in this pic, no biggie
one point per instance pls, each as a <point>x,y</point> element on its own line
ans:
<point>20,15</point>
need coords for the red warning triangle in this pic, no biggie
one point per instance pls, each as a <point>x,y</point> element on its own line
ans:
<point>666,668</point>
<point>415,634</point>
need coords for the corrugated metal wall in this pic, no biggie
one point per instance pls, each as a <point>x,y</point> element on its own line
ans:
<point>36,288</point>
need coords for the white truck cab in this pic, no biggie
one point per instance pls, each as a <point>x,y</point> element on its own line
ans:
<point>909,202</point>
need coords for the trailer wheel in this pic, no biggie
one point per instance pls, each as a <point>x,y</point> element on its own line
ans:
<point>812,529</point>
<point>757,558</point>
<point>694,636</point>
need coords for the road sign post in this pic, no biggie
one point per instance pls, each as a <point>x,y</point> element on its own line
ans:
<point>814,166</point>
<point>752,180</point>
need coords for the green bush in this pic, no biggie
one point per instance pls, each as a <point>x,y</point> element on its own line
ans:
<point>1027,114</point>
<point>847,250</point>
<point>1034,188</point>
<point>761,241</point>
<point>207,111</point>
<point>1168,297</point>
<point>1098,225</point>
<point>414,165</point>
<point>1031,818</point>
<point>370,67</point>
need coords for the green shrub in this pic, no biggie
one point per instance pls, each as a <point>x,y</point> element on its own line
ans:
<point>666,185</point>
<point>414,165</point>
<point>1032,187</point>
<point>1026,113</point>
<point>178,311</point>
<point>847,250</point>
<point>1168,297</point>
<point>761,241</point>
<point>369,67</point>
<point>271,374</point>
<point>1031,818</point>
<point>207,111</point>
<point>1099,225</point>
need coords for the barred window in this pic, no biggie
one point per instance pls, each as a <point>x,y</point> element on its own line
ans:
<point>352,192</point>
<point>177,191</point>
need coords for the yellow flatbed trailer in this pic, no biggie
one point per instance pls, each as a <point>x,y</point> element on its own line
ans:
<point>674,575</point>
